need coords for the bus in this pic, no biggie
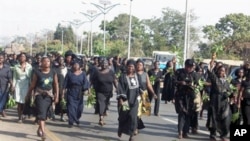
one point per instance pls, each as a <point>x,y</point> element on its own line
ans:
<point>163,57</point>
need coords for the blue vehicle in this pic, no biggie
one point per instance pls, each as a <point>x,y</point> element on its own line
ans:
<point>163,57</point>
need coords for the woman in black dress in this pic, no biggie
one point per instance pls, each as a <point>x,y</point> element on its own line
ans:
<point>219,113</point>
<point>45,86</point>
<point>128,92</point>
<point>169,88</point>
<point>243,100</point>
<point>104,79</point>
<point>61,71</point>
<point>75,84</point>
<point>157,74</point>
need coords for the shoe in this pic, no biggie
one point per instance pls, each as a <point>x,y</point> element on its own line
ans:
<point>20,121</point>
<point>43,136</point>
<point>39,132</point>
<point>180,136</point>
<point>4,114</point>
<point>78,123</point>
<point>101,122</point>
<point>131,139</point>
<point>136,132</point>
<point>194,131</point>
<point>62,119</point>
<point>119,134</point>
<point>53,118</point>
<point>212,139</point>
<point>185,136</point>
<point>70,125</point>
<point>157,115</point>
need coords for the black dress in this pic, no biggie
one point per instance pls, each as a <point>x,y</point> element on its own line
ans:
<point>219,113</point>
<point>169,88</point>
<point>128,87</point>
<point>104,81</point>
<point>43,93</point>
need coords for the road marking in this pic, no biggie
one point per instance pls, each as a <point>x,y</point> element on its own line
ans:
<point>51,135</point>
<point>172,121</point>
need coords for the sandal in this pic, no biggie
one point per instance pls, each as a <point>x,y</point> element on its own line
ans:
<point>131,139</point>
<point>119,133</point>
<point>101,122</point>
<point>136,132</point>
<point>39,132</point>
<point>43,136</point>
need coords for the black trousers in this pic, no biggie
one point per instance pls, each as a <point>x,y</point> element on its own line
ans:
<point>245,112</point>
<point>194,120</point>
<point>157,91</point>
<point>183,123</point>
<point>157,104</point>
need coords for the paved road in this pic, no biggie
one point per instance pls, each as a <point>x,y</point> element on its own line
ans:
<point>160,128</point>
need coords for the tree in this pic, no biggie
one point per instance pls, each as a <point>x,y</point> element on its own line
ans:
<point>118,30</point>
<point>167,31</point>
<point>232,31</point>
<point>68,34</point>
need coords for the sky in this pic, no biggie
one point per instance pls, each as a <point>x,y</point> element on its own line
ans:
<point>24,17</point>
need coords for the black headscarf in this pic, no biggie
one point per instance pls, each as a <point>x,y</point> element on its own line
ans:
<point>130,62</point>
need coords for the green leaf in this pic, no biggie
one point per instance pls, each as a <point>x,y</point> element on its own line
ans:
<point>152,79</point>
<point>205,97</point>
<point>11,102</point>
<point>63,104</point>
<point>218,49</point>
<point>235,116</point>
<point>91,100</point>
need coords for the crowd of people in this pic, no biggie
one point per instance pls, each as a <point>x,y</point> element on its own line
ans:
<point>41,84</point>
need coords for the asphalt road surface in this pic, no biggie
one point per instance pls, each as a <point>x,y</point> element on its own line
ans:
<point>158,128</point>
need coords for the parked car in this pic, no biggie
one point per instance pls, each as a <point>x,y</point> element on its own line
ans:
<point>148,62</point>
<point>232,71</point>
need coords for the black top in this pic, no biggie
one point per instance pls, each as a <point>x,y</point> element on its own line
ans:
<point>45,80</point>
<point>158,75</point>
<point>246,85</point>
<point>189,78</point>
<point>104,81</point>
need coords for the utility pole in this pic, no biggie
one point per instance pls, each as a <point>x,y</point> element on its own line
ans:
<point>76,24</point>
<point>62,41</point>
<point>91,16</point>
<point>104,9</point>
<point>186,38</point>
<point>130,28</point>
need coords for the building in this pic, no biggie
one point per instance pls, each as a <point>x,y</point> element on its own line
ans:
<point>14,48</point>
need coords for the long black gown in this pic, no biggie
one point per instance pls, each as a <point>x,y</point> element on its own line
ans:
<point>219,114</point>
<point>128,87</point>
<point>168,87</point>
